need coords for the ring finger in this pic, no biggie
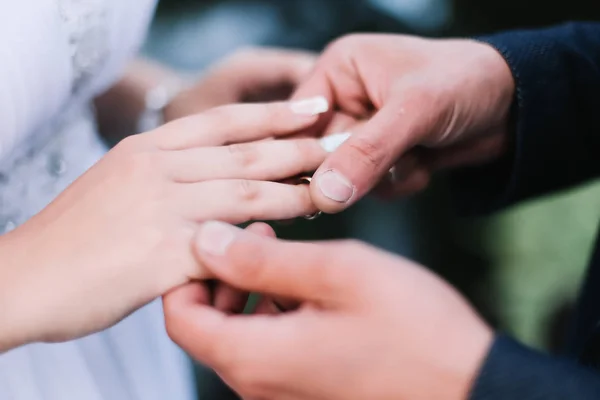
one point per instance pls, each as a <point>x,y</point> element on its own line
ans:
<point>238,200</point>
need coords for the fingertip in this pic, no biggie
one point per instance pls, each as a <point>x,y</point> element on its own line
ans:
<point>214,238</point>
<point>262,229</point>
<point>211,246</point>
<point>324,204</point>
<point>231,254</point>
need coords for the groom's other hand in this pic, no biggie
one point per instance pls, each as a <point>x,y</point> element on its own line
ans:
<point>370,325</point>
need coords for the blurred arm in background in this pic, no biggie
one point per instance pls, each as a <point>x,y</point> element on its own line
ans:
<point>247,75</point>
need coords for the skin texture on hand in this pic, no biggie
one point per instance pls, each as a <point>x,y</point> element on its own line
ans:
<point>120,236</point>
<point>370,325</point>
<point>248,75</point>
<point>398,95</point>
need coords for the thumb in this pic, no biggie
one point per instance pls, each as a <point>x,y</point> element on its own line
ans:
<point>308,272</point>
<point>361,158</point>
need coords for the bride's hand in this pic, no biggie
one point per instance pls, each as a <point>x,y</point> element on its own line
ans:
<point>120,236</point>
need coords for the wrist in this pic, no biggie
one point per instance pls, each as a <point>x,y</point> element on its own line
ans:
<point>13,310</point>
<point>502,86</point>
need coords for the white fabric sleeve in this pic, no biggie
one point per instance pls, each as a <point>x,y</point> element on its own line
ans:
<point>35,68</point>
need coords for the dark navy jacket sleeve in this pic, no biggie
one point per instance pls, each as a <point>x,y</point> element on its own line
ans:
<point>514,372</point>
<point>555,145</point>
<point>556,141</point>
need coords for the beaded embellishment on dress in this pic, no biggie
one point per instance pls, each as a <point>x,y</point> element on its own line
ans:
<point>86,23</point>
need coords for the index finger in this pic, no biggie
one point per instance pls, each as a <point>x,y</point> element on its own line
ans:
<point>221,341</point>
<point>240,123</point>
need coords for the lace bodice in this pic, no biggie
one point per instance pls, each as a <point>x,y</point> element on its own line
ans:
<point>86,23</point>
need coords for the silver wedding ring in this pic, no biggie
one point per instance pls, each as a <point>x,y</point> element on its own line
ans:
<point>306,180</point>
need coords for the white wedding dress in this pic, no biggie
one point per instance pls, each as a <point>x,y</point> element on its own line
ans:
<point>55,56</point>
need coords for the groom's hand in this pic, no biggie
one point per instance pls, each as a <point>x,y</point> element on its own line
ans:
<point>371,325</point>
<point>396,94</point>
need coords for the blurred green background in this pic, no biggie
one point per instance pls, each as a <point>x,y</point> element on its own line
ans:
<point>521,267</point>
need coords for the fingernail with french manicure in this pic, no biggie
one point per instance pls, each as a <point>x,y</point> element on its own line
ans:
<point>310,107</point>
<point>335,186</point>
<point>332,142</point>
<point>216,237</point>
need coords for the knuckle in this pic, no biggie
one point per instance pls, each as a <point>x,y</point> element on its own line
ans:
<point>368,151</point>
<point>243,155</point>
<point>141,163</point>
<point>246,191</point>
<point>304,148</point>
<point>302,152</point>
